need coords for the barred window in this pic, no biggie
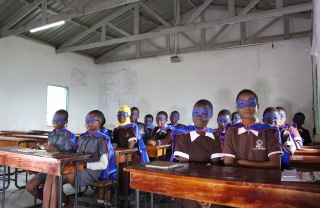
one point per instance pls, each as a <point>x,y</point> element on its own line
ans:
<point>57,98</point>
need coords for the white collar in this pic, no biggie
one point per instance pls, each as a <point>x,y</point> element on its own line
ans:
<point>243,130</point>
<point>194,135</point>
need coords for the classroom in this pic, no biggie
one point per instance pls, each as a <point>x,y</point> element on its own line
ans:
<point>206,52</point>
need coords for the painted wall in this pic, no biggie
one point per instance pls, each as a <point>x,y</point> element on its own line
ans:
<point>26,70</point>
<point>281,76</point>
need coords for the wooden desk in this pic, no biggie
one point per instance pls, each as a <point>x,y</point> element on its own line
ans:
<point>13,141</point>
<point>312,147</point>
<point>239,187</point>
<point>42,131</point>
<point>121,153</point>
<point>38,138</point>
<point>306,152</point>
<point>18,132</point>
<point>157,151</point>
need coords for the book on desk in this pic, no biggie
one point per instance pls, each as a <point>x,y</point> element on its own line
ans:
<point>300,176</point>
<point>163,165</point>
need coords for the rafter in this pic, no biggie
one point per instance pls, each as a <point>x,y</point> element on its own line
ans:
<point>256,34</point>
<point>197,13</point>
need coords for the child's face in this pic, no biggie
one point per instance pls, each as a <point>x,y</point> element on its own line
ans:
<point>298,119</point>
<point>134,116</point>
<point>283,117</point>
<point>201,114</point>
<point>148,121</point>
<point>59,121</point>
<point>236,118</point>
<point>272,118</point>
<point>122,116</point>
<point>222,121</point>
<point>246,106</point>
<point>174,118</point>
<point>161,120</point>
<point>92,122</point>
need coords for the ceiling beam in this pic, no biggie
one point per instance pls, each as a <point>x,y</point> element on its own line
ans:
<point>256,34</point>
<point>107,4</point>
<point>197,13</point>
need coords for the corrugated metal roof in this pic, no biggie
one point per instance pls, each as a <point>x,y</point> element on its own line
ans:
<point>59,35</point>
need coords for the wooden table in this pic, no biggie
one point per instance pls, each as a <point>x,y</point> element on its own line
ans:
<point>305,162</point>
<point>157,151</point>
<point>38,138</point>
<point>239,187</point>
<point>306,152</point>
<point>13,141</point>
<point>55,164</point>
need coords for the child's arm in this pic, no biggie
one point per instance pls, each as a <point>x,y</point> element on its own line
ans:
<point>99,165</point>
<point>273,163</point>
<point>287,142</point>
<point>297,138</point>
<point>153,139</point>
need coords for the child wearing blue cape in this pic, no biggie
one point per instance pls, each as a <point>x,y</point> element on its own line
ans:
<point>174,118</point>
<point>235,118</point>
<point>134,116</point>
<point>223,119</point>
<point>197,144</point>
<point>271,116</point>
<point>127,135</point>
<point>148,121</point>
<point>250,143</point>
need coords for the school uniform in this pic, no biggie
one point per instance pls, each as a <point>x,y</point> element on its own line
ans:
<point>142,130</point>
<point>199,146</point>
<point>162,137</point>
<point>305,135</point>
<point>149,131</point>
<point>298,141</point>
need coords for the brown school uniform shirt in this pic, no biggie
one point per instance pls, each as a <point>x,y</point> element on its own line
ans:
<point>161,137</point>
<point>198,147</point>
<point>250,145</point>
<point>123,136</point>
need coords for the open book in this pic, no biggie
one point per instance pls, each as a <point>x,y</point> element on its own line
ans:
<point>163,165</point>
<point>300,176</point>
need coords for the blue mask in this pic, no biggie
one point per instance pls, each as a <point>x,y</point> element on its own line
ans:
<point>283,115</point>
<point>251,102</point>
<point>148,121</point>
<point>221,120</point>
<point>123,114</point>
<point>161,118</point>
<point>135,114</point>
<point>236,117</point>
<point>90,119</point>
<point>176,116</point>
<point>205,113</point>
<point>272,117</point>
<point>58,119</point>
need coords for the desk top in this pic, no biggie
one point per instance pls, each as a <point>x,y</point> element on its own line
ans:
<point>307,152</point>
<point>17,139</point>
<point>231,186</point>
<point>49,163</point>
<point>30,136</point>
<point>305,159</point>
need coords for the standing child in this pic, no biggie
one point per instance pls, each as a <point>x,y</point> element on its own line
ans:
<point>197,144</point>
<point>134,119</point>
<point>236,118</point>
<point>60,139</point>
<point>250,143</point>
<point>92,142</point>
<point>174,118</point>
<point>148,121</point>
<point>305,134</point>
<point>223,119</point>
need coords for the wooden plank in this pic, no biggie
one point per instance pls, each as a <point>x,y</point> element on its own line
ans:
<point>122,158</point>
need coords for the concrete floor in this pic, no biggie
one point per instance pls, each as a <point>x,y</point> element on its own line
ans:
<point>20,198</point>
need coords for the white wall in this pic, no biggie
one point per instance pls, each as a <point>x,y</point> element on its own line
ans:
<point>26,70</point>
<point>281,76</point>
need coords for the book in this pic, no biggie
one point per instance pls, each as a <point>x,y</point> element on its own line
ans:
<point>300,176</point>
<point>163,165</point>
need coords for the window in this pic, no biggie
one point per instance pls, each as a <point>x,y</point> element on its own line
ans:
<point>57,98</point>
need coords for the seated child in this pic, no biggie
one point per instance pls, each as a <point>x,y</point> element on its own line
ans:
<point>60,139</point>
<point>134,119</point>
<point>304,133</point>
<point>148,121</point>
<point>127,135</point>
<point>197,144</point>
<point>236,118</point>
<point>272,117</point>
<point>92,142</point>
<point>174,118</point>
<point>224,118</point>
<point>250,143</point>
<point>291,128</point>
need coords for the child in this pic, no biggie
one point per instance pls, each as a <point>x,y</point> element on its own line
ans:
<point>291,128</point>
<point>161,134</point>
<point>148,121</point>
<point>236,118</point>
<point>304,133</point>
<point>250,143</point>
<point>127,135</point>
<point>60,139</point>
<point>223,119</point>
<point>134,119</point>
<point>174,118</point>
<point>92,142</point>
<point>271,116</point>
<point>197,144</point>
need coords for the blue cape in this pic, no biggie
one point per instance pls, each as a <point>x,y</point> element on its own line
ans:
<point>141,146</point>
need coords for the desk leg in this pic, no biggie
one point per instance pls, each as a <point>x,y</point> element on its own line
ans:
<point>137,198</point>
<point>60,191</point>
<point>151,200</point>
<point>3,187</point>
<point>127,181</point>
<point>76,185</point>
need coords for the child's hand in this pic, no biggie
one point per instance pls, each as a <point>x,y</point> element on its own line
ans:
<point>152,142</point>
<point>294,131</point>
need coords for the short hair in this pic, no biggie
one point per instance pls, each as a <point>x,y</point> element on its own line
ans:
<point>164,113</point>
<point>63,112</point>
<point>148,116</point>
<point>224,112</point>
<point>279,108</point>
<point>269,109</point>
<point>236,112</point>
<point>175,112</point>
<point>100,115</point>
<point>134,108</point>
<point>247,91</point>
<point>300,114</point>
<point>205,102</point>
